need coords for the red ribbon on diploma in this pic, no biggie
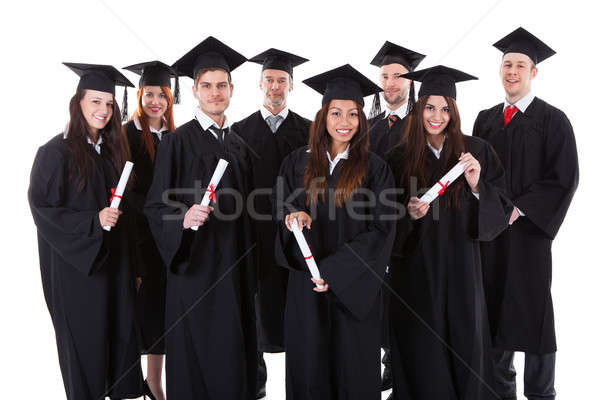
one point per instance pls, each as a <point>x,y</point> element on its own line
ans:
<point>211,190</point>
<point>309,257</point>
<point>113,190</point>
<point>443,189</point>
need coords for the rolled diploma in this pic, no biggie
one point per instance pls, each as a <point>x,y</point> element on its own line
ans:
<point>443,183</point>
<point>214,182</point>
<point>308,257</point>
<point>116,199</point>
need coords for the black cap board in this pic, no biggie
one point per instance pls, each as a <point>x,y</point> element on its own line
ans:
<point>521,41</point>
<point>343,83</point>
<point>210,53</point>
<point>278,59</point>
<point>391,53</point>
<point>439,80</point>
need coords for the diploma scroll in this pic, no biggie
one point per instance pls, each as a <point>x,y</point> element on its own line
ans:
<point>212,186</point>
<point>441,185</point>
<point>308,257</point>
<point>117,193</point>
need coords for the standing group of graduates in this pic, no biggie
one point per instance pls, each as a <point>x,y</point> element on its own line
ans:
<point>449,289</point>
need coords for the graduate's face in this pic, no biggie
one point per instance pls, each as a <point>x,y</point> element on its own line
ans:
<point>213,92</point>
<point>395,89</point>
<point>276,85</point>
<point>97,109</point>
<point>154,102</point>
<point>436,115</point>
<point>517,72</point>
<point>342,120</point>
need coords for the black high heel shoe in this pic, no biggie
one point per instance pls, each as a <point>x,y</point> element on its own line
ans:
<point>148,392</point>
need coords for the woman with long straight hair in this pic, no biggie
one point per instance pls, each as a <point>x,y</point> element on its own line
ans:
<point>86,276</point>
<point>439,333</point>
<point>334,188</point>
<point>152,119</point>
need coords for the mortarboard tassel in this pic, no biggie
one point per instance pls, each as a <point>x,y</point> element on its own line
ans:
<point>176,94</point>
<point>375,107</point>
<point>411,98</point>
<point>124,108</point>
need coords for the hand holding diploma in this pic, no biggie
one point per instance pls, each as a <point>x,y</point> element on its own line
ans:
<point>441,185</point>
<point>295,222</point>
<point>199,211</point>
<point>472,170</point>
<point>115,200</point>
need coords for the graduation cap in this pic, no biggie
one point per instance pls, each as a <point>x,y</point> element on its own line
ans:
<point>278,59</point>
<point>103,78</point>
<point>156,73</point>
<point>391,53</point>
<point>439,80</point>
<point>521,41</point>
<point>210,53</point>
<point>343,83</point>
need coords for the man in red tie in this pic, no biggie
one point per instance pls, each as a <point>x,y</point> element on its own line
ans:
<point>536,145</point>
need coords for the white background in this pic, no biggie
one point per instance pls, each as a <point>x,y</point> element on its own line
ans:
<point>38,36</point>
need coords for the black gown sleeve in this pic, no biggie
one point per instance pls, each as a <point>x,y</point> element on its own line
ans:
<point>494,206</point>
<point>546,201</point>
<point>165,215</point>
<point>355,271</point>
<point>76,235</point>
<point>286,251</point>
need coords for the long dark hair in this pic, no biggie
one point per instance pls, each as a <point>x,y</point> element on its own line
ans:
<point>147,140</point>
<point>317,168</point>
<point>416,151</point>
<point>113,140</point>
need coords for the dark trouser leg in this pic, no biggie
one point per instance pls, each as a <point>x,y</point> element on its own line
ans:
<point>261,374</point>
<point>539,376</point>
<point>505,374</point>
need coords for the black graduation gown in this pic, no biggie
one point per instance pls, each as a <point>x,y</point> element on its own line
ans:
<point>150,299</point>
<point>538,151</point>
<point>438,319</point>
<point>333,339</point>
<point>86,276</point>
<point>211,334</point>
<point>382,137</point>
<point>268,151</point>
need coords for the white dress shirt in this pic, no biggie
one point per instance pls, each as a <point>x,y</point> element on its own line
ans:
<point>342,155</point>
<point>401,112</point>
<point>207,122</point>
<point>89,140</point>
<point>138,126</point>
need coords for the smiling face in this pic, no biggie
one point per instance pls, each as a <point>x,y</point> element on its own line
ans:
<point>395,88</point>
<point>275,85</point>
<point>517,72</point>
<point>97,109</point>
<point>213,92</point>
<point>154,102</point>
<point>342,121</point>
<point>436,115</point>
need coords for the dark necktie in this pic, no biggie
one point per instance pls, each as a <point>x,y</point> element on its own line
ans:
<point>392,118</point>
<point>220,133</point>
<point>508,113</point>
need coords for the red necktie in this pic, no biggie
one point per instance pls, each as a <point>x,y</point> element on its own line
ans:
<point>508,113</point>
<point>391,119</point>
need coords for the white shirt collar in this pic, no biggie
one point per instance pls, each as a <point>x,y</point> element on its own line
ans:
<point>89,140</point>
<point>400,112</point>
<point>138,126</point>
<point>523,103</point>
<point>207,122</point>
<point>437,153</point>
<point>265,113</point>
<point>342,155</point>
